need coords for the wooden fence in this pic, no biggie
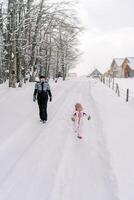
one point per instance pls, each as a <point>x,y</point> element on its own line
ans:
<point>126,94</point>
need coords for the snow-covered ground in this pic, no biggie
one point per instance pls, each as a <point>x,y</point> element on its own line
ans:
<point>48,162</point>
<point>117,120</point>
<point>125,83</point>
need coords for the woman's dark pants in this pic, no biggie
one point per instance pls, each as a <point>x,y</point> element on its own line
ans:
<point>42,102</point>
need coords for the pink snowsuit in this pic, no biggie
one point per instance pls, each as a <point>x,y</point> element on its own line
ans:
<point>78,122</point>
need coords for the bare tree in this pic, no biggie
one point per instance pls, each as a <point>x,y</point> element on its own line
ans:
<point>11,27</point>
<point>1,46</point>
<point>39,38</point>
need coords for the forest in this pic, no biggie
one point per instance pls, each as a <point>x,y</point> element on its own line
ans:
<point>37,37</point>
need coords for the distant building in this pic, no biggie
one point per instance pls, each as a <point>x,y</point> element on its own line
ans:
<point>122,68</point>
<point>108,73</point>
<point>128,67</point>
<point>116,67</point>
<point>73,74</point>
<point>95,74</point>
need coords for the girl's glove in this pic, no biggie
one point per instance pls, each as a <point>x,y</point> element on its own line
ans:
<point>89,117</point>
<point>73,119</point>
<point>34,98</point>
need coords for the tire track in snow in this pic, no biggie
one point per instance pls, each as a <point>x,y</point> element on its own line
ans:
<point>21,135</point>
<point>79,169</point>
<point>104,154</point>
<point>52,122</point>
<point>28,115</point>
<point>65,175</point>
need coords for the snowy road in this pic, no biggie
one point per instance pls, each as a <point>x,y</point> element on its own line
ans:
<point>47,162</point>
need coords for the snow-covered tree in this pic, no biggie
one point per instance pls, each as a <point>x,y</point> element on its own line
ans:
<point>38,38</point>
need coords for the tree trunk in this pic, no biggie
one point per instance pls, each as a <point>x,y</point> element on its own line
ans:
<point>12,42</point>
<point>1,48</point>
<point>32,60</point>
<point>50,54</point>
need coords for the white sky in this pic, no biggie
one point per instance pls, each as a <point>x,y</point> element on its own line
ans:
<point>109,33</point>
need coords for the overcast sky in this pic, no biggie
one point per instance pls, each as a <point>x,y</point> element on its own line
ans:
<point>109,32</point>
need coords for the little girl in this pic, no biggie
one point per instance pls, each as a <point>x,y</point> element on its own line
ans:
<point>77,118</point>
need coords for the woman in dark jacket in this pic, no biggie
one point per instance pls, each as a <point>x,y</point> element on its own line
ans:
<point>41,93</point>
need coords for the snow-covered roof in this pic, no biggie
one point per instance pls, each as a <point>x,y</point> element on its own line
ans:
<point>131,62</point>
<point>131,59</point>
<point>95,72</point>
<point>119,61</point>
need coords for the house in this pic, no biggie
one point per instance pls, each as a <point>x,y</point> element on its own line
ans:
<point>116,67</point>
<point>72,75</point>
<point>128,67</point>
<point>95,74</point>
<point>108,73</point>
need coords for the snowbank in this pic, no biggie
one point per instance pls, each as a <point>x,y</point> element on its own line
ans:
<point>118,123</point>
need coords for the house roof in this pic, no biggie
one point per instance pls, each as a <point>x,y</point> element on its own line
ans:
<point>119,61</point>
<point>96,71</point>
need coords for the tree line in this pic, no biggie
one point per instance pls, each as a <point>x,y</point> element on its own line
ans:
<point>37,37</point>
